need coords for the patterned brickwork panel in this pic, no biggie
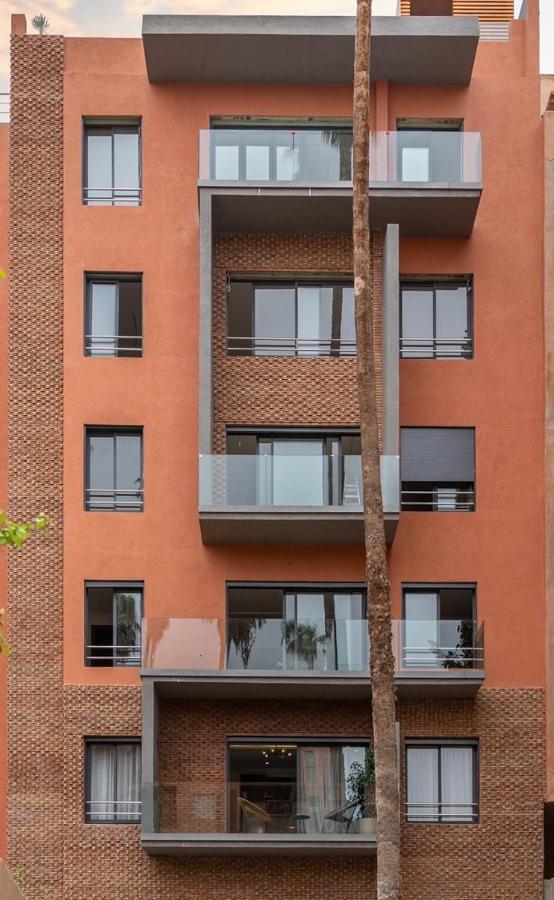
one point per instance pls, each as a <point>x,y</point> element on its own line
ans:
<point>35,809</point>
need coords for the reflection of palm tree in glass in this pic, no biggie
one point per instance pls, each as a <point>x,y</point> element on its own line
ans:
<point>243,634</point>
<point>461,656</point>
<point>305,640</point>
<point>127,626</point>
<point>342,141</point>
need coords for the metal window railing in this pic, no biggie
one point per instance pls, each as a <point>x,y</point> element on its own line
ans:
<point>436,348</point>
<point>261,346</point>
<point>438,500</point>
<point>115,500</point>
<point>121,654</point>
<point>442,812</point>
<point>113,344</point>
<point>4,107</point>
<point>112,196</point>
<point>455,657</point>
<point>113,810</point>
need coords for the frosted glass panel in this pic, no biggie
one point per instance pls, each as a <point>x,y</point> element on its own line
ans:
<point>126,162</point>
<point>415,164</point>
<point>286,162</point>
<point>103,319</point>
<point>457,783</point>
<point>257,163</point>
<point>298,473</point>
<point>422,784</point>
<point>227,163</point>
<point>417,323</point>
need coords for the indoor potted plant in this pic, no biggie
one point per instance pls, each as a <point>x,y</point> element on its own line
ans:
<point>361,788</point>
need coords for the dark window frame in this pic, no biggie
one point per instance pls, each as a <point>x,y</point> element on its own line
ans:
<point>113,431</point>
<point>428,488</point>
<point>113,122</point>
<point>89,741</point>
<point>326,435</point>
<point>116,278</point>
<point>435,284</point>
<point>438,743</point>
<point>436,587</point>
<point>133,586</point>
<point>337,346</point>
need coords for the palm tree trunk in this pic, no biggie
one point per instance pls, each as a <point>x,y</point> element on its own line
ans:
<point>387,798</point>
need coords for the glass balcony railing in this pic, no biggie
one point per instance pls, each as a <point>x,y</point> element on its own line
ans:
<point>321,806</point>
<point>324,157</point>
<point>258,643</point>
<point>308,480</point>
<point>285,479</point>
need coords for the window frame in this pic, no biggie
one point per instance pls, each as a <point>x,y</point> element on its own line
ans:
<point>430,487</point>
<point>135,587</point>
<point>407,587</point>
<point>325,435</point>
<point>113,742</point>
<point>293,282</point>
<point>434,284</point>
<point>111,123</point>
<point>438,744</point>
<point>113,431</point>
<point>116,278</point>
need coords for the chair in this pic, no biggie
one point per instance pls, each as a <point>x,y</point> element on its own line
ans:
<point>343,815</point>
<point>255,816</point>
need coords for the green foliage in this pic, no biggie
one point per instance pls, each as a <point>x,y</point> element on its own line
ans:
<point>2,273</point>
<point>18,875</point>
<point>361,783</point>
<point>14,534</point>
<point>40,23</point>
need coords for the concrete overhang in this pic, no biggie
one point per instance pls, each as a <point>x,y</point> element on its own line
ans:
<point>326,525</point>
<point>307,49</point>
<point>309,685</point>
<point>166,844</point>
<point>435,210</point>
<point>438,684</point>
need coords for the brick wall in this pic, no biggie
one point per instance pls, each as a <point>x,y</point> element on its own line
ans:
<point>282,391</point>
<point>35,467</point>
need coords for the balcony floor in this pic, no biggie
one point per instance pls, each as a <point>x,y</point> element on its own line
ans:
<point>163,844</point>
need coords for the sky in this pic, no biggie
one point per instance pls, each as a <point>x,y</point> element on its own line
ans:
<point>118,18</point>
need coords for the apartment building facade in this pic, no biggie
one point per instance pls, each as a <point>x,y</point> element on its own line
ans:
<point>188,699</point>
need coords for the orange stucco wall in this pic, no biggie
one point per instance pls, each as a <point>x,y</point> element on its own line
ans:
<point>500,392</point>
<point>4,193</point>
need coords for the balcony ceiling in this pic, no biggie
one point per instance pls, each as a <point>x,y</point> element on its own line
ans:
<point>307,49</point>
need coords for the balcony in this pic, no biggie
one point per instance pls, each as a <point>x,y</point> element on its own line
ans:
<point>300,180</point>
<point>291,797</point>
<point>307,50</point>
<point>289,499</point>
<point>327,658</point>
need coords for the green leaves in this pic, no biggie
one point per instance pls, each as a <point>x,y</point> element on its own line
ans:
<point>14,534</point>
<point>2,273</point>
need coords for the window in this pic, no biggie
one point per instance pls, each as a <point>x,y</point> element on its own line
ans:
<point>113,315</point>
<point>112,174</point>
<point>114,469</point>
<point>313,627</point>
<point>437,467</point>
<point>302,787</point>
<point>441,781</point>
<point>439,628</point>
<point>296,318</point>
<point>302,468</point>
<point>112,781</point>
<point>435,320</point>
<point>429,150</point>
<point>113,620</point>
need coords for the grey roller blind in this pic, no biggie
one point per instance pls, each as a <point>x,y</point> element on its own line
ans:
<point>437,454</point>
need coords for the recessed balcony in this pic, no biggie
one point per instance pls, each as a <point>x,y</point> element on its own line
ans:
<point>326,658</point>
<point>290,797</point>
<point>299,180</point>
<point>289,498</point>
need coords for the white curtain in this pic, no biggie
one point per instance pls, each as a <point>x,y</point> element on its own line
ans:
<point>423,784</point>
<point>321,788</point>
<point>102,783</point>
<point>457,783</point>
